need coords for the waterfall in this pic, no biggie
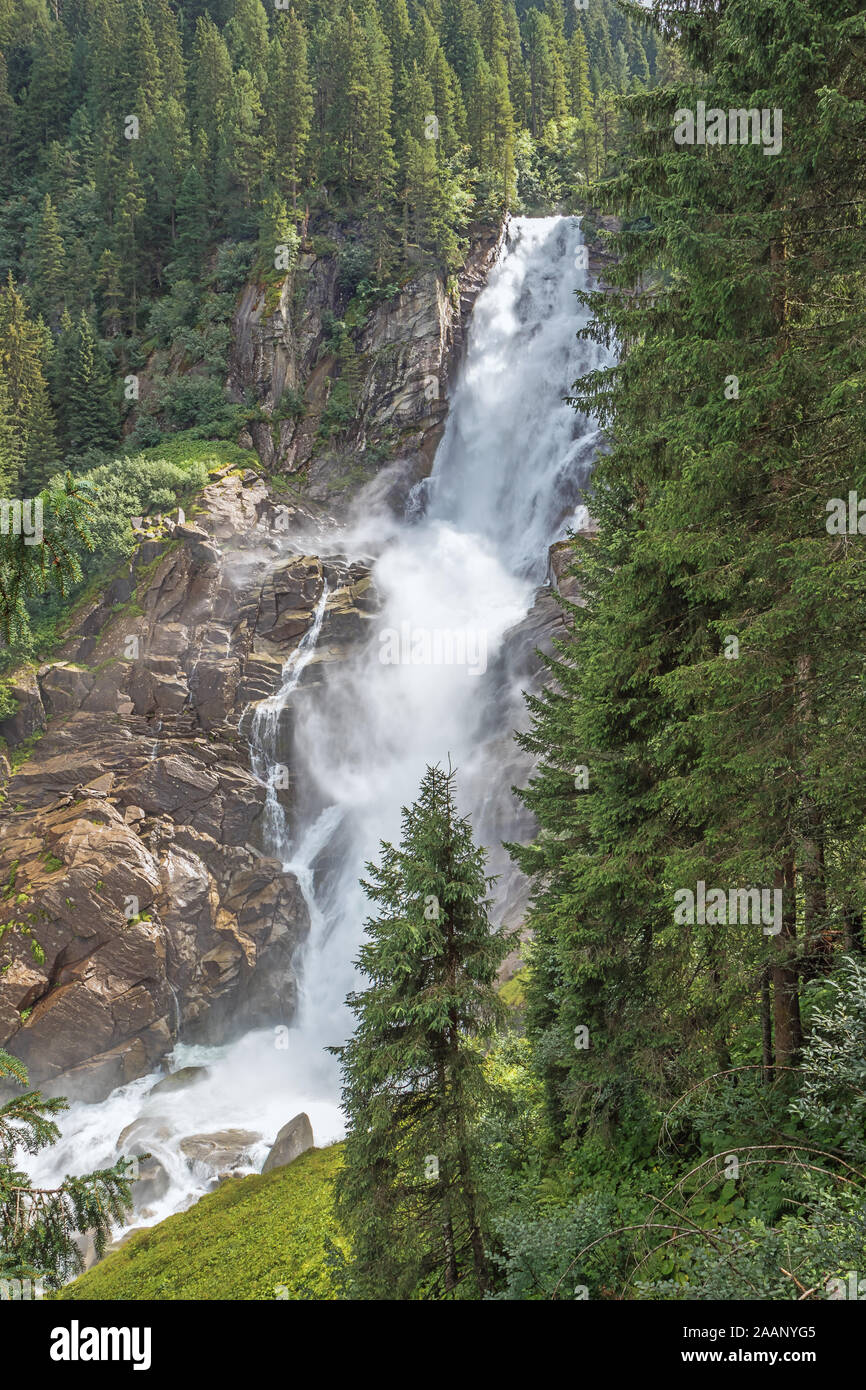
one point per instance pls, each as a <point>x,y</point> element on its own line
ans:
<point>266,734</point>
<point>430,682</point>
<point>507,479</point>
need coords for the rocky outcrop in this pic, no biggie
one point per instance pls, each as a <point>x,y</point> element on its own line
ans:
<point>30,716</point>
<point>293,1140</point>
<point>224,1154</point>
<point>597,227</point>
<point>133,874</point>
<point>403,354</point>
<point>179,1080</point>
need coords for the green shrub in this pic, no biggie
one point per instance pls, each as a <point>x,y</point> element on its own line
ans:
<point>339,411</point>
<point>257,1238</point>
<point>8,702</point>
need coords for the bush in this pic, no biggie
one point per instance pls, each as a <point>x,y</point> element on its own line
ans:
<point>187,401</point>
<point>291,405</point>
<point>8,702</point>
<point>336,341</point>
<point>234,261</point>
<point>133,487</point>
<point>355,263</point>
<point>339,411</point>
<point>175,310</point>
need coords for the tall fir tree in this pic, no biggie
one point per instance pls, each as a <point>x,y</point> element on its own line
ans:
<point>410,1191</point>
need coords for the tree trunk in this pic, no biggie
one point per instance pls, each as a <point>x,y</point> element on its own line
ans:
<point>766,1030</point>
<point>786,998</point>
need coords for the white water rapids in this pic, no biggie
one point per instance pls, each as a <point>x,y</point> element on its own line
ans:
<point>464,570</point>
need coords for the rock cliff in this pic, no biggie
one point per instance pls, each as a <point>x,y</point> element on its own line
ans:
<point>393,368</point>
<point>137,904</point>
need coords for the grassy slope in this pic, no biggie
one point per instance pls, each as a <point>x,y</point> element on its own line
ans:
<point>260,1237</point>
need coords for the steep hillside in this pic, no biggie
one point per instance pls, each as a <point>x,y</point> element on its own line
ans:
<point>264,1237</point>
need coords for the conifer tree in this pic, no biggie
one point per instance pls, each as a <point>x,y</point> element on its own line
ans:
<point>460,34</point>
<point>49,263</point>
<point>8,127</point>
<point>241,164</point>
<point>290,102</point>
<point>410,1192</point>
<point>38,1226</point>
<point>167,38</point>
<point>23,345</point>
<point>91,415</point>
<point>139,74</point>
<point>192,227</point>
<point>701,690</point>
<point>210,92</point>
<point>165,160</point>
<point>246,35</point>
<point>45,106</point>
<point>8,465</point>
<point>110,292</point>
<point>35,564</point>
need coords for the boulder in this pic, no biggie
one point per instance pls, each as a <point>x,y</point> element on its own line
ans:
<point>140,1136</point>
<point>293,1140</point>
<point>64,687</point>
<point>151,1182</point>
<point>179,1080</point>
<point>225,1152</point>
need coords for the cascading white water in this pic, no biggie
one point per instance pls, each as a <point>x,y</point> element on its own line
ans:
<point>452,582</point>
<point>265,732</point>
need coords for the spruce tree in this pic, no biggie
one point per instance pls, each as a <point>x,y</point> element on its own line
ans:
<point>210,94</point>
<point>701,688</point>
<point>38,1226</point>
<point>192,228</point>
<point>410,1192</point>
<point>23,353</point>
<point>49,263</point>
<point>91,418</point>
<point>290,102</point>
<point>8,128</point>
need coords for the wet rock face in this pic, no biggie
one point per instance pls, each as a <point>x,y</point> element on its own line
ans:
<point>404,357</point>
<point>132,864</point>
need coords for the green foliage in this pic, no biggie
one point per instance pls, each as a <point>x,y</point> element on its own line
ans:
<point>8,702</point>
<point>832,1098</point>
<point>266,1237</point>
<point>135,487</point>
<point>32,565</point>
<point>38,1226</point>
<point>705,764</point>
<point>86,524</point>
<point>339,410</point>
<point>413,1074</point>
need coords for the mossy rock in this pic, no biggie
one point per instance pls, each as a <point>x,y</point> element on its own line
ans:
<point>258,1238</point>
